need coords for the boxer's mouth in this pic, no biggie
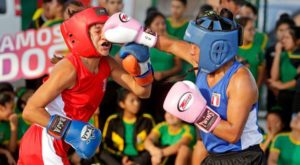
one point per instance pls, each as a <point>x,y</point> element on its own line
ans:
<point>106,44</point>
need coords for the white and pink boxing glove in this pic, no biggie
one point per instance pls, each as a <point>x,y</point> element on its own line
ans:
<point>185,101</point>
<point>120,28</point>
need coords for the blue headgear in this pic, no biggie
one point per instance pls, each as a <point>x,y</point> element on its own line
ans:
<point>217,37</point>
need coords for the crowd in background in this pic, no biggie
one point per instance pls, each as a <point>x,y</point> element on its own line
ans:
<point>139,131</point>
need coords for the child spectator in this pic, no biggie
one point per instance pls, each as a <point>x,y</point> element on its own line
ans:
<point>250,51</point>
<point>8,123</point>
<point>170,142</point>
<point>176,25</point>
<point>282,26</point>
<point>124,133</point>
<point>286,146</point>
<point>283,72</point>
<point>166,68</point>
<point>274,126</point>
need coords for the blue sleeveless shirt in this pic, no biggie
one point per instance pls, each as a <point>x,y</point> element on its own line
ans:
<point>217,100</point>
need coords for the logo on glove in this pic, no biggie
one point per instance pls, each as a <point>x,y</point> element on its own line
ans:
<point>124,17</point>
<point>185,102</point>
<point>87,133</point>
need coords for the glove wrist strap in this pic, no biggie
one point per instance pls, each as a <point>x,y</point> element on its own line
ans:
<point>208,120</point>
<point>147,39</point>
<point>57,126</point>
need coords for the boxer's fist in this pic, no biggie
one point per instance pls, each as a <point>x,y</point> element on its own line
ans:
<point>185,101</point>
<point>136,61</point>
<point>120,28</point>
<point>83,137</point>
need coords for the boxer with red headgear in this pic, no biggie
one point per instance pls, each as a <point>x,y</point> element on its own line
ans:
<point>62,106</point>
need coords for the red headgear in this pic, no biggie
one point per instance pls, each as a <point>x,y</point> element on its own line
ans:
<point>75,30</point>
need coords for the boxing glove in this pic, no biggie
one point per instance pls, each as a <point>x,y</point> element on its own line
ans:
<point>120,28</point>
<point>185,101</point>
<point>83,137</point>
<point>136,61</point>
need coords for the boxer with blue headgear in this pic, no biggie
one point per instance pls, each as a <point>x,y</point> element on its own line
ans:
<point>223,102</point>
<point>217,37</point>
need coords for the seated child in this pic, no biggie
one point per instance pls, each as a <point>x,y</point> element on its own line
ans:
<point>171,141</point>
<point>124,133</point>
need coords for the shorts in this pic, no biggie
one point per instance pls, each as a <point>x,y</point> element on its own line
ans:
<point>39,148</point>
<point>250,156</point>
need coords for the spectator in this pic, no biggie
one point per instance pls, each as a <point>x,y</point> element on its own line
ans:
<point>170,142</point>
<point>198,153</point>
<point>249,10</point>
<point>7,87</point>
<point>282,26</point>
<point>285,148</point>
<point>124,133</point>
<point>274,126</point>
<point>176,25</point>
<point>71,7</point>
<point>250,51</point>
<point>114,6</point>
<point>232,5</point>
<point>166,68</point>
<point>283,73</point>
<point>6,157</point>
<point>23,94</point>
<point>9,123</point>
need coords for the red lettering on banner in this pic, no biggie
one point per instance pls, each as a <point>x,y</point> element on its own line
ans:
<point>27,54</point>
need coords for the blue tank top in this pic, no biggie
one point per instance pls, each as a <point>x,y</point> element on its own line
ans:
<point>217,99</point>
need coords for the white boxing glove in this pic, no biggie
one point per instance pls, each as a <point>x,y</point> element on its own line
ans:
<point>120,28</point>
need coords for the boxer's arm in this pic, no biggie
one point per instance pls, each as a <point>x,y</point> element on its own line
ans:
<point>242,94</point>
<point>63,76</point>
<point>182,49</point>
<point>127,81</point>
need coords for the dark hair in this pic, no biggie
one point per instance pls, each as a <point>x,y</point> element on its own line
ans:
<point>184,2</point>
<point>61,2</point>
<point>69,3</point>
<point>122,94</point>
<point>295,33</point>
<point>6,87</point>
<point>5,97</point>
<point>150,10</point>
<point>204,8</point>
<point>151,16</point>
<point>243,21</point>
<point>285,19</point>
<point>237,2</point>
<point>251,6</point>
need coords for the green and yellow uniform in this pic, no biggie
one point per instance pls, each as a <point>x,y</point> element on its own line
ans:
<point>161,61</point>
<point>178,31</point>
<point>5,130</point>
<point>287,71</point>
<point>288,149</point>
<point>253,54</point>
<point>130,148</point>
<point>261,39</point>
<point>168,137</point>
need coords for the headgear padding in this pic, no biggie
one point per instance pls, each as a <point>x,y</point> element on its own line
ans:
<point>75,30</point>
<point>217,37</point>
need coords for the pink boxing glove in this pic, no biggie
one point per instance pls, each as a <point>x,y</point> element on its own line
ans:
<point>185,101</point>
<point>120,28</point>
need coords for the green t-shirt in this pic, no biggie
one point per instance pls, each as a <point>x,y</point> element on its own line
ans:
<point>114,50</point>
<point>288,149</point>
<point>5,130</point>
<point>261,39</point>
<point>161,61</point>
<point>254,56</point>
<point>287,70</point>
<point>129,149</point>
<point>168,138</point>
<point>51,23</point>
<point>177,32</point>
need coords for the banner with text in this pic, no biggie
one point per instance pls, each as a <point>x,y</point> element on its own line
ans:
<point>27,54</point>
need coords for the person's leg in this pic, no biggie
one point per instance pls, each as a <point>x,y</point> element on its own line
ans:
<point>142,158</point>
<point>183,155</point>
